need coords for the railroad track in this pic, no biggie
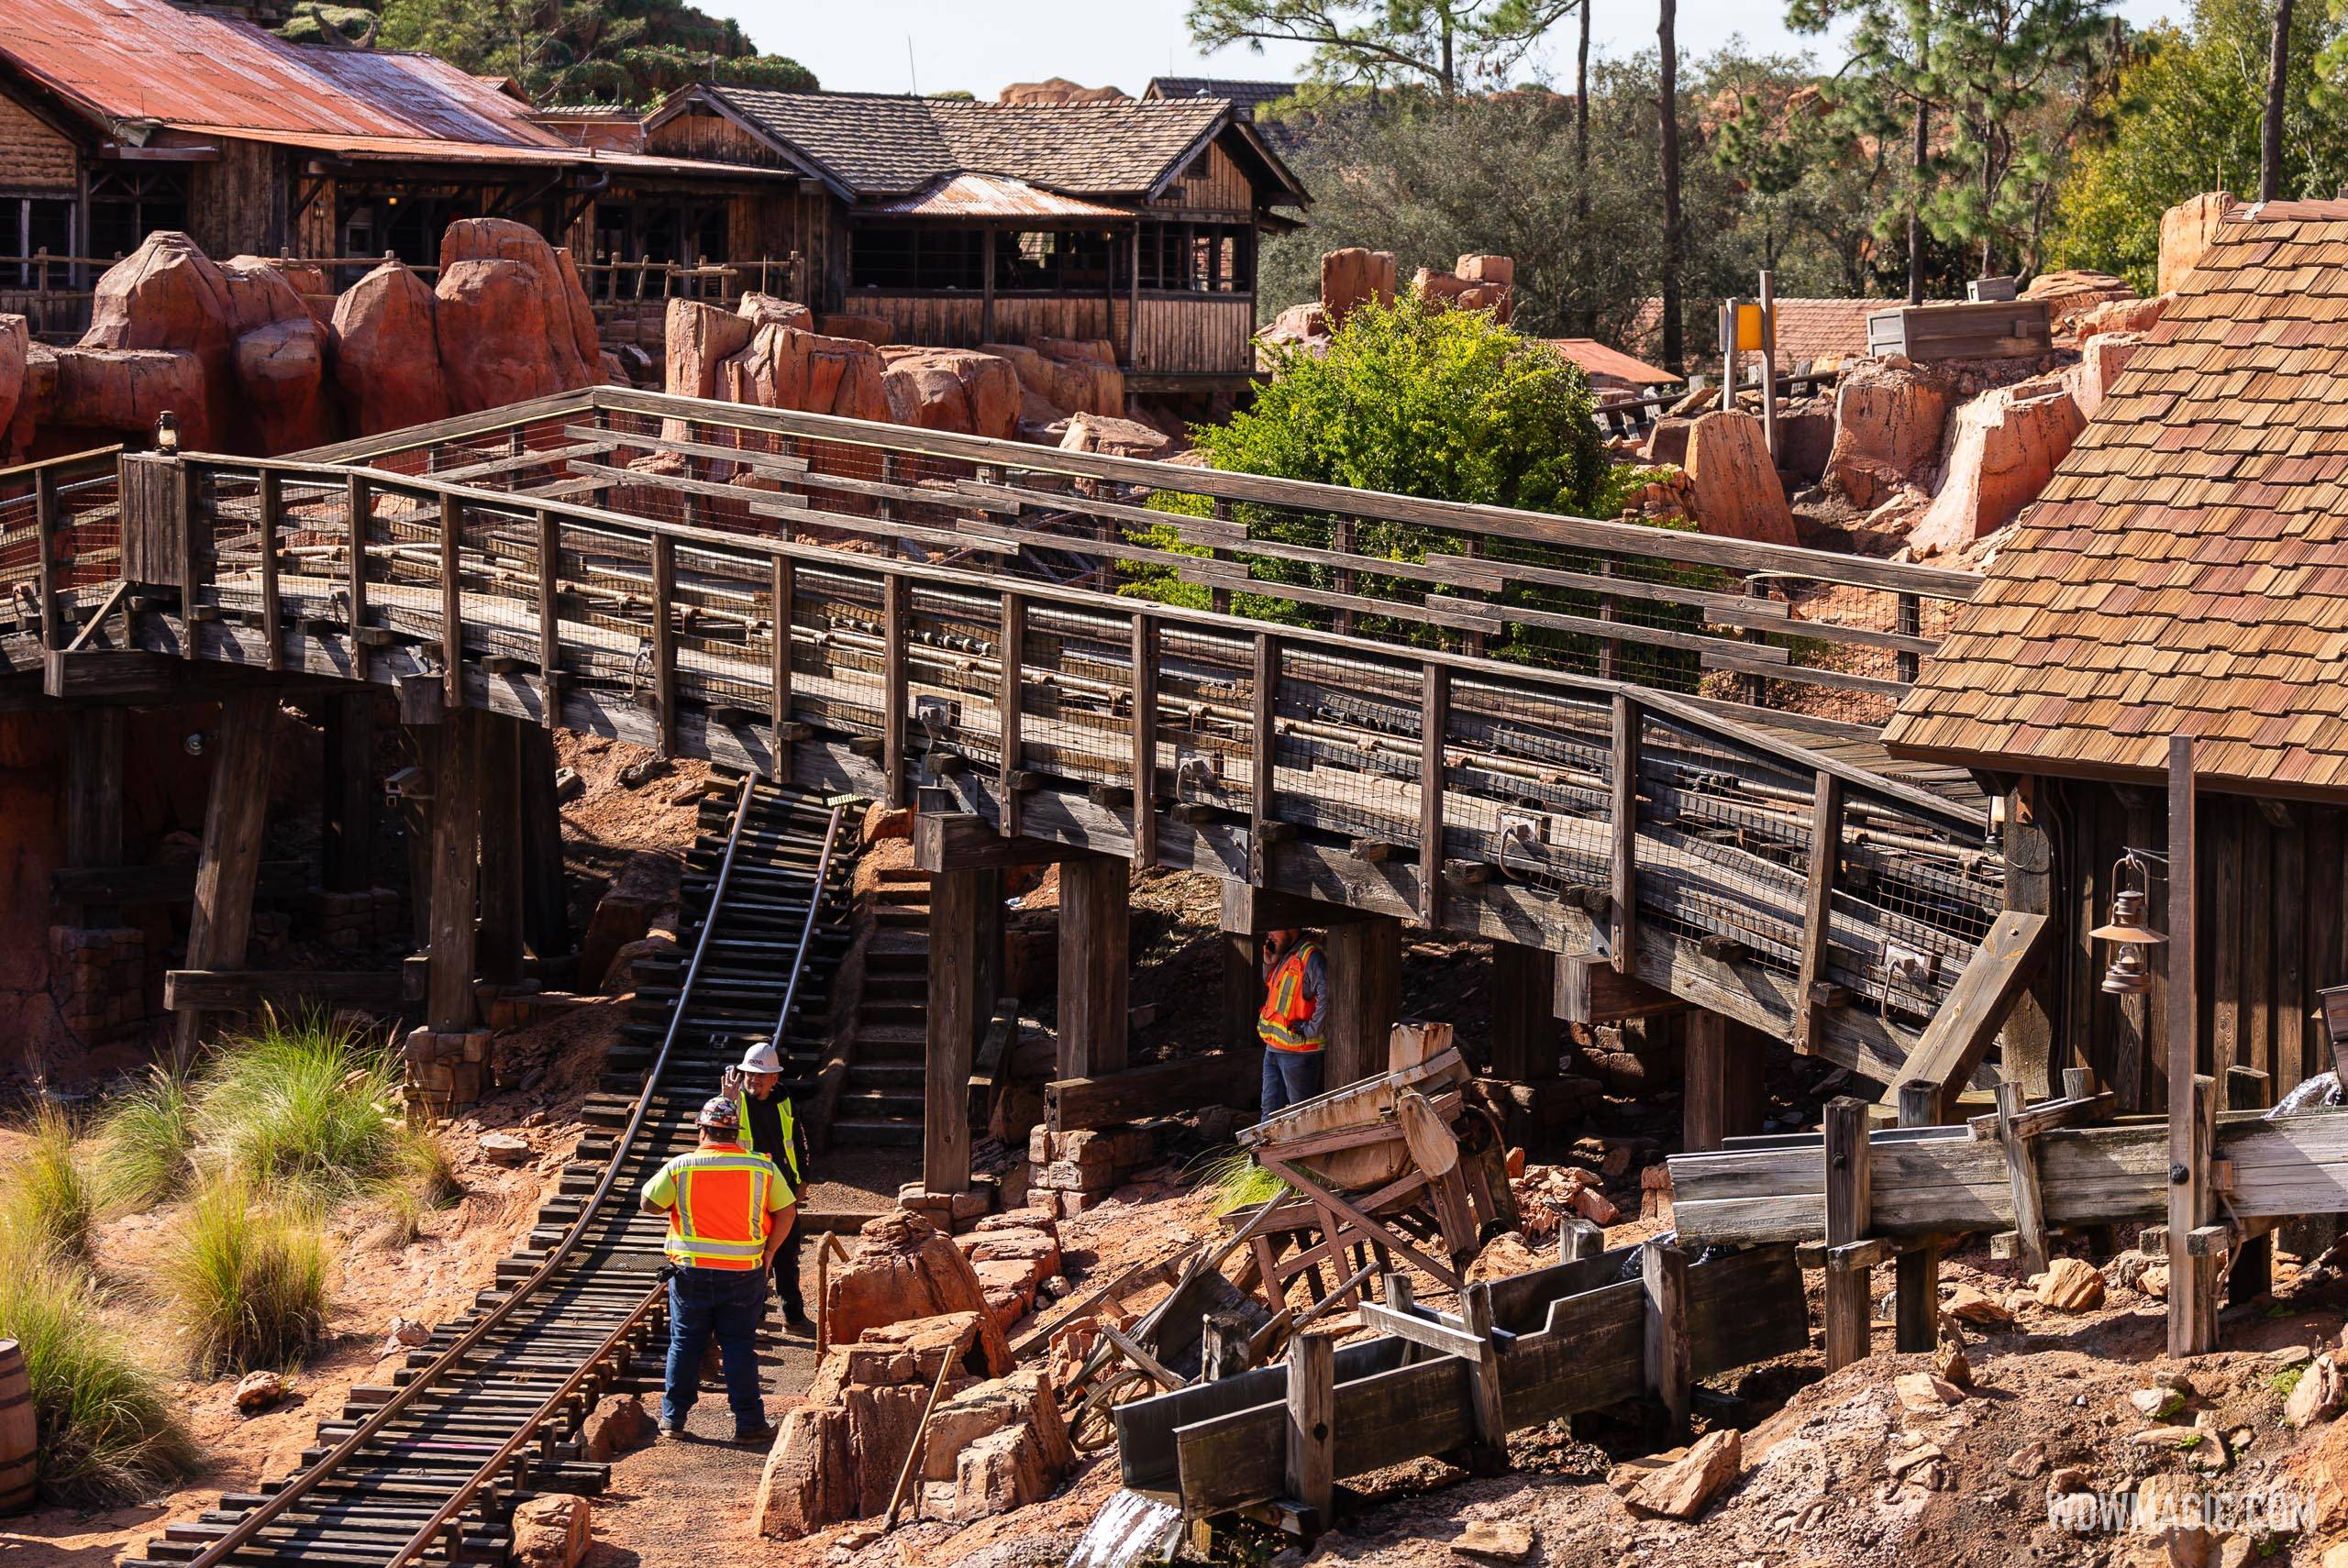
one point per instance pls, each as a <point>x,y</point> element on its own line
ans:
<point>488,1410</point>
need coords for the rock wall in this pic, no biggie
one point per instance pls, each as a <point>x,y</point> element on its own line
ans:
<point>252,355</point>
<point>2186,230</point>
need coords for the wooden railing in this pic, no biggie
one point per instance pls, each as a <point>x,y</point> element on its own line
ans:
<point>60,545</point>
<point>1779,884</point>
<point>1830,641</point>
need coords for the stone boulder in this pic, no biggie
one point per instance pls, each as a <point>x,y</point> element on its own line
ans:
<point>1888,418</point>
<point>648,884</point>
<point>572,338</point>
<point>260,294</point>
<point>1499,270</point>
<point>1300,329</point>
<point>786,368</point>
<point>281,371</point>
<point>2102,359</point>
<point>769,310</point>
<point>1682,1483</point>
<point>552,1532</point>
<point>993,1447</point>
<point>387,352</point>
<point>168,296</point>
<point>905,1268</point>
<point>16,354</point>
<point>514,320</point>
<point>2003,450</point>
<point>1352,275</point>
<point>2187,230</point>
<point>696,338</point>
<point>1736,492</point>
<point>2072,293</point>
<point>956,389</point>
<point>865,329</point>
<point>121,391</point>
<point>618,1423</point>
<point>1449,290</point>
<point>1065,374</point>
<point>2123,315</point>
<point>1117,437</point>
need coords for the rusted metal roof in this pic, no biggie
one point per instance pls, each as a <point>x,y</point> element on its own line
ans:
<point>994,196</point>
<point>137,67</point>
<point>1597,359</point>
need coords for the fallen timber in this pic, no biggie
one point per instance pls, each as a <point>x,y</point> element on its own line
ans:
<point>1573,1337</point>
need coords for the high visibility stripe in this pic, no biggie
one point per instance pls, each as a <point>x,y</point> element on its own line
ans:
<point>1285,1003</point>
<point>786,1157</point>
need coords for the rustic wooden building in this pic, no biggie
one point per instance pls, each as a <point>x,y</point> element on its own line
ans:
<point>2185,572</point>
<point>957,223</point>
<point>119,118</point>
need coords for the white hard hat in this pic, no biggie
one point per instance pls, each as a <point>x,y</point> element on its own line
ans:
<point>761,1057</point>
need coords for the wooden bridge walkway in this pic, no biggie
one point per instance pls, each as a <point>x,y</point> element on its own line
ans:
<point>1586,739</point>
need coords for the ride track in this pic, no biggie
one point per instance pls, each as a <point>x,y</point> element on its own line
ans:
<point>490,1409</point>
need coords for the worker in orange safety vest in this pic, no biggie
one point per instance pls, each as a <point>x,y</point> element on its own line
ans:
<point>728,1212</point>
<point>1296,991</point>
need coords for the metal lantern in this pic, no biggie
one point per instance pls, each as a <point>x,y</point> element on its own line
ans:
<point>2130,974</point>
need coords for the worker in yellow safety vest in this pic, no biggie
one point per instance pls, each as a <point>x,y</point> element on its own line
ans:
<point>769,1128</point>
<point>1296,991</point>
<point>728,1212</point>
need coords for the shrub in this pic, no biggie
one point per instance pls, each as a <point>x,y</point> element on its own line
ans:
<point>431,1171</point>
<point>147,1139</point>
<point>304,1109</point>
<point>48,1201</point>
<point>108,1434</point>
<point>248,1281</point>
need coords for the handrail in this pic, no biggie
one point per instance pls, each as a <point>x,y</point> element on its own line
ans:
<point>63,460</point>
<point>300,1484</point>
<point>764,548</point>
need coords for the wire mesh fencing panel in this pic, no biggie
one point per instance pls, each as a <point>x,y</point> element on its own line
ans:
<point>1529,780</point>
<point>78,499</point>
<point>1080,665</point>
<point>1204,681</point>
<point>1346,751</point>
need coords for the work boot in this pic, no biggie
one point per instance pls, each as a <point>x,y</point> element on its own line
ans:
<point>762,1432</point>
<point>795,1319</point>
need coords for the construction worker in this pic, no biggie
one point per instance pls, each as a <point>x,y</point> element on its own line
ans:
<point>728,1212</point>
<point>1296,991</point>
<point>769,1128</point>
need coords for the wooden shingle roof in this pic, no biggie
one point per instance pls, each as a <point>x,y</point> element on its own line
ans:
<point>2187,567</point>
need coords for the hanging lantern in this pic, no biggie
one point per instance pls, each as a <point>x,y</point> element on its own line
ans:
<point>2130,973</point>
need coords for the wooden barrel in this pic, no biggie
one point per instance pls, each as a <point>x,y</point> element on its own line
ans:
<point>18,1442</point>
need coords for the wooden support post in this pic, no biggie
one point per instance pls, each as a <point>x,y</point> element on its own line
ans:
<point>1364,964</point>
<point>1007,701</point>
<point>45,520</point>
<point>1488,1455</point>
<point>351,790</point>
<point>2022,1178</point>
<point>1670,1367</point>
<point>454,873</point>
<point>272,613</point>
<point>1578,1238</point>
<point>1848,1200</point>
<point>1916,1271</point>
<point>1145,720</point>
<point>1435,719</point>
<point>94,790</point>
<point>2253,1275</point>
<point>498,956</point>
<point>1223,1345</point>
<point>2027,1035</point>
<point>236,811</point>
<point>195,553</point>
<point>1263,747</point>
<point>1624,882</point>
<point>551,615</point>
<point>361,506</point>
<point>955,1015</point>
<point>453,602</point>
<point>664,641</point>
<point>1524,1018</point>
<point>1095,937</point>
<point>1818,908</point>
<point>1769,364</point>
<point>895,703</point>
<point>1311,1408</point>
<point>1721,1094</point>
<point>2193,1279</point>
<point>546,907</point>
<point>784,598</point>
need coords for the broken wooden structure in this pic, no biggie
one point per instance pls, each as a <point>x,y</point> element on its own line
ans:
<point>1520,1351</point>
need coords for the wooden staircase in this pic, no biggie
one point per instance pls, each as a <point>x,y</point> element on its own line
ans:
<point>881,1100</point>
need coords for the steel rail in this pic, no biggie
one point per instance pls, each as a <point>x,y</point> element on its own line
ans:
<point>241,1534</point>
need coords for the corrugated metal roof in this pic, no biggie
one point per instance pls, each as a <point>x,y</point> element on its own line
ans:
<point>1596,359</point>
<point>132,64</point>
<point>994,195</point>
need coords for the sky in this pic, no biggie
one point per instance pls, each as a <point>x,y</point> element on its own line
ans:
<point>979,46</point>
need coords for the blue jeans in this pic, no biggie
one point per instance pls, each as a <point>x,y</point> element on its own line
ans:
<point>1288,1077</point>
<point>728,1302</point>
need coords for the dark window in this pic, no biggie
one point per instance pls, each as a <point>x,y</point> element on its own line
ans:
<point>893,256</point>
<point>1202,258</point>
<point>127,206</point>
<point>28,225</point>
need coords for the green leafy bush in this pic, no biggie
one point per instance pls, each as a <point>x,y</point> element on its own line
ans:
<point>247,1281</point>
<point>108,1434</point>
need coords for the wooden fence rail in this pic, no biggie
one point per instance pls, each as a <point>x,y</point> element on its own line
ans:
<point>1556,811</point>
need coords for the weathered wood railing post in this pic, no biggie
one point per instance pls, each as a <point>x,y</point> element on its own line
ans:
<point>894,698</point>
<point>1818,908</point>
<point>1435,719</point>
<point>1849,1198</point>
<point>45,524</point>
<point>1145,721</point>
<point>1488,1455</point>
<point>361,504</point>
<point>2022,1178</point>
<point>1311,1475</point>
<point>195,542</point>
<point>1007,705</point>
<point>1916,1271</point>
<point>1263,753</point>
<point>2253,1275</point>
<point>272,613</point>
<point>784,592</point>
<point>452,603</point>
<point>550,616</point>
<point>664,640</point>
<point>1670,1369</point>
<point>1622,884</point>
<point>2193,1270</point>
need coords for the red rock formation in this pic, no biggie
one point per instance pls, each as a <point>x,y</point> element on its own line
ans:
<point>2102,359</point>
<point>1117,437</point>
<point>765,310</point>
<point>1069,374</point>
<point>696,338</point>
<point>15,347</point>
<point>1736,491</point>
<point>164,296</point>
<point>114,393</point>
<point>2072,293</point>
<point>904,1269</point>
<point>2002,450</point>
<point>1352,275</point>
<point>386,352</point>
<point>513,323</point>
<point>868,328</point>
<point>957,390</point>
<point>282,371</point>
<point>2186,230</point>
<point>1888,419</point>
<point>785,368</point>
